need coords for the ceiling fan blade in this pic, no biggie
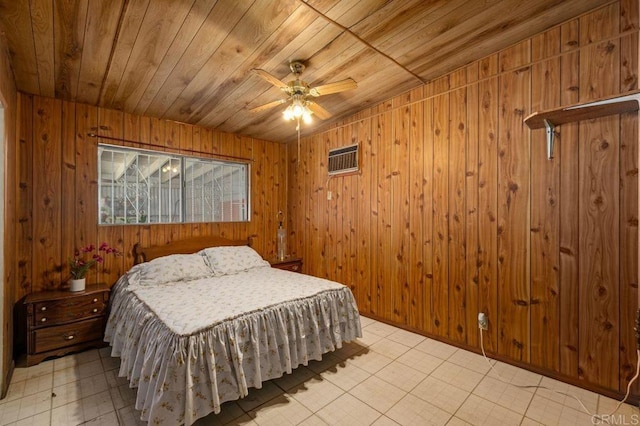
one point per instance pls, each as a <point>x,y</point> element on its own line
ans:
<point>320,112</point>
<point>269,105</point>
<point>271,78</point>
<point>338,86</point>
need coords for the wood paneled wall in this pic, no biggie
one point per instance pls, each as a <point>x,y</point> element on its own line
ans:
<point>57,189</point>
<point>8,97</point>
<point>456,209</point>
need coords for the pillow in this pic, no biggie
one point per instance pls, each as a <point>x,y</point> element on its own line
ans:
<point>233,259</point>
<point>172,268</point>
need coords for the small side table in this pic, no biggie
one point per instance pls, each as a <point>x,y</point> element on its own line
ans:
<point>293,264</point>
<point>59,322</point>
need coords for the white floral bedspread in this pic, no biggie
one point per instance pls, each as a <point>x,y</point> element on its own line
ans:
<point>190,346</point>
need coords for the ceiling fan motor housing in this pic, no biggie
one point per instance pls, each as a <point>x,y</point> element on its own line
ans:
<point>296,67</point>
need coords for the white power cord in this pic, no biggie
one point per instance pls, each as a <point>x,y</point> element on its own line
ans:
<point>586,410</point>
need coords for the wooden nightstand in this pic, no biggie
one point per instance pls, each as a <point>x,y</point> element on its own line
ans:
<point>293,264</point>
<point>59,322</point>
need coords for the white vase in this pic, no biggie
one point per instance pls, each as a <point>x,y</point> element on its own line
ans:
<point>77,285</point>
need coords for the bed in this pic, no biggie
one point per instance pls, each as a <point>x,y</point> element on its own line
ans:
<point>198,323</point>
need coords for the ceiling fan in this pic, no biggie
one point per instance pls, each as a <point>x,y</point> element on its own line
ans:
<point>301,95</point>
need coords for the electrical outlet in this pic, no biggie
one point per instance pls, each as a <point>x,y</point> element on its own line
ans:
<point>483,321</point>
<point>329,195</point>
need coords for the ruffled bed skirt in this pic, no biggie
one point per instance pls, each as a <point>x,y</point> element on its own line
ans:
<point>182,378</point>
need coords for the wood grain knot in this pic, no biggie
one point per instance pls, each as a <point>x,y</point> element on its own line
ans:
<point>602,291</point>
<point>520,302</point>
<point>610,47</point>
<point>604,145</point>
<point>566,250</point>
<point>437,323</point>
<point>574,88</point>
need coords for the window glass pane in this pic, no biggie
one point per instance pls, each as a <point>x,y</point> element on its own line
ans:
<point>139,186</point>
<point>215,191</point>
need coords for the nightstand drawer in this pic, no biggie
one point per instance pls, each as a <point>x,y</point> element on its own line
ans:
<point>66,310</point>
<point>46,339</point>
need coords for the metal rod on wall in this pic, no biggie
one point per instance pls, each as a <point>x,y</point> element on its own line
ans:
<point>231,157</point>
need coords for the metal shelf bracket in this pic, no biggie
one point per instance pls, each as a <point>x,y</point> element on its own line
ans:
<point>551,137</point>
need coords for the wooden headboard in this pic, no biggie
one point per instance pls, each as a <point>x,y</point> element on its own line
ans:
<point>192,245</point>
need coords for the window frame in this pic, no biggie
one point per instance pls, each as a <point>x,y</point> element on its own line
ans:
<point>212,160</point>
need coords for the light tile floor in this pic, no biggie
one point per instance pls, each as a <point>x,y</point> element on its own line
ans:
<point>389,377</point>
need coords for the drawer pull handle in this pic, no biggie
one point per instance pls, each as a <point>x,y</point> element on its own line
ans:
<point>95,310</point>
<point>44,319</point>
<point>69,337</point>
<point>95,300</point>
<point>294,268</point>
<point>44,308</point>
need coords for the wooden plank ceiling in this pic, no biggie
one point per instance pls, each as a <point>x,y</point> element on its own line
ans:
<point>191,60</point>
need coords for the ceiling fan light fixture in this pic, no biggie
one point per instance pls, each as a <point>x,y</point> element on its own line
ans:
<point>298,109</point>
<point>288,113</point>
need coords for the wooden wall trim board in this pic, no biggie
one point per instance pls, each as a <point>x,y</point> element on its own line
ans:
<point>57,205</point>
<point>8,98</point>
<point>634,399</point>
<point>466,214</point>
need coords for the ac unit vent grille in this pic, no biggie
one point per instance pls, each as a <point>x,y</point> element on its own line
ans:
<point>343,160</point>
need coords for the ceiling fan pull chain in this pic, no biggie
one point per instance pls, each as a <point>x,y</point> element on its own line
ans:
<point>298,129</point>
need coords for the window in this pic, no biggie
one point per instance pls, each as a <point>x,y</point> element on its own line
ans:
<point>139,186</point>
